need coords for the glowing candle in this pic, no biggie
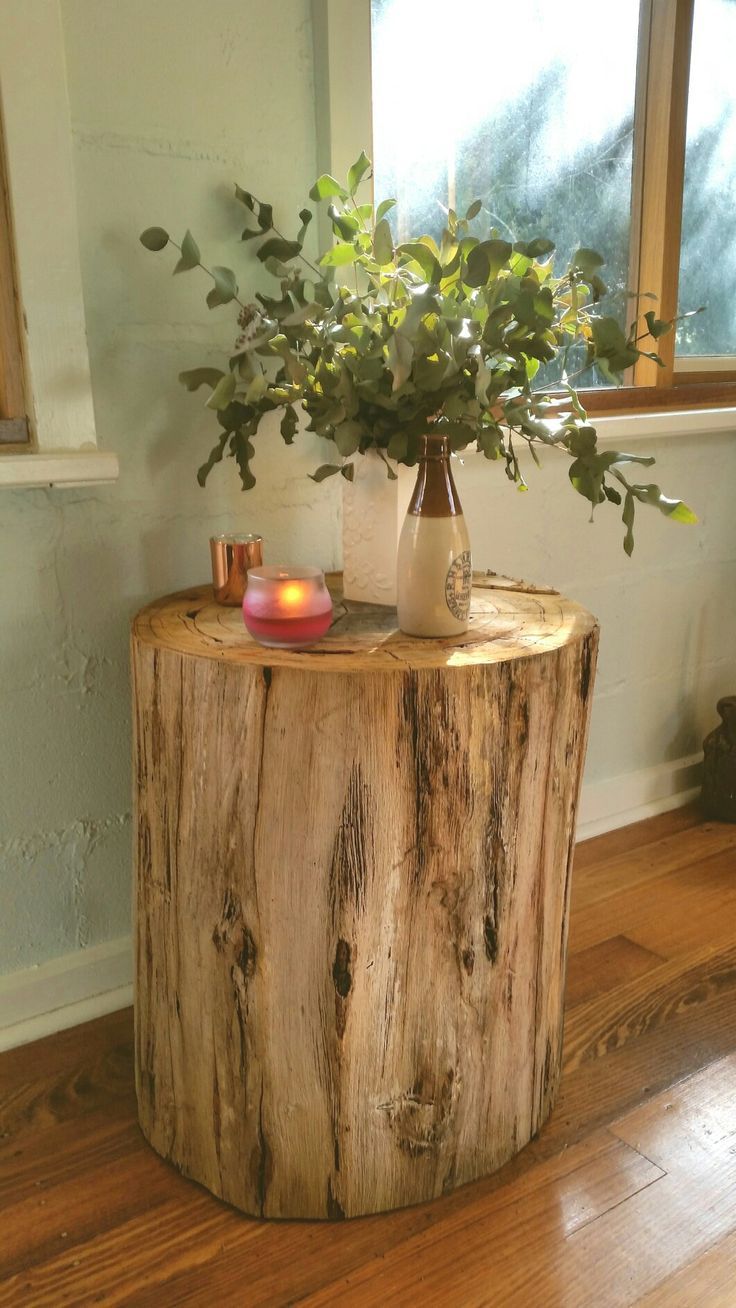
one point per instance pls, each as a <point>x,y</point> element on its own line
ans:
<point>287,607</point>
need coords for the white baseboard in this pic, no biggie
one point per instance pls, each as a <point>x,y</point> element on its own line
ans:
<point>65,991</point>
<point>617,801</point>
<point>77,987</point>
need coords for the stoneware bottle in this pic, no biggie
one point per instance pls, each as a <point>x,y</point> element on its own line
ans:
<point>719,764</point>
<point>434,572</point>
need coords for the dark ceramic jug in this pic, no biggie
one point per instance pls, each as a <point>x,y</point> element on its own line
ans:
<point>719,765</point>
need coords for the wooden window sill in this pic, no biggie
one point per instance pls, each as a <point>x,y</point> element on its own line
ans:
<point>58,468</point>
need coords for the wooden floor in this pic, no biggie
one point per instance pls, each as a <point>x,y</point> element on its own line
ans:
<point>627,1197</point>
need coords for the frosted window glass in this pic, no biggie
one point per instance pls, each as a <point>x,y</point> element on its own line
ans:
<point>708,258</point>
<point>528,106</point>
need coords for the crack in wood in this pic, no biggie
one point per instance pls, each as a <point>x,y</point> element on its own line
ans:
<point>262,1162</point>
<point>352,852</point>
<point>334,1209</point>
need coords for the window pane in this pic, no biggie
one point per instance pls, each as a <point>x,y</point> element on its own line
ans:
<point>708,258</point>
<point>528,107</point>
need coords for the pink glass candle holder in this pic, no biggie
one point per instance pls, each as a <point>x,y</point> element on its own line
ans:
<point>288,608</point>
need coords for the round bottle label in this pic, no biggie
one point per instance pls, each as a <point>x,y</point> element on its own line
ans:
<point>458,584</point>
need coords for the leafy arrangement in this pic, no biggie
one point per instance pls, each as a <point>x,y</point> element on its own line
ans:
<point>380,342</point>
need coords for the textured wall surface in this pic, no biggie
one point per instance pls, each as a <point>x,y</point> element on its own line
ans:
<point>170,104</point>
<point>667,615</point>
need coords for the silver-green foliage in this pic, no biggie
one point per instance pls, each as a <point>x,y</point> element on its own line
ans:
<point>414,336</point>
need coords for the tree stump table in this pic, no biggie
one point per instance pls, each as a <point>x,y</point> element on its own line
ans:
<point>352,888</point>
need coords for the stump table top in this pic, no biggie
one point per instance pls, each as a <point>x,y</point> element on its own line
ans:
<point>509,620</point>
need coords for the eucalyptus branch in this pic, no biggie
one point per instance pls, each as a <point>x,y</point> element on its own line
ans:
<point>205,269</point>
<point>374,368</point>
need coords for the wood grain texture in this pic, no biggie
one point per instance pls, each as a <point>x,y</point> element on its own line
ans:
<point>596,1210</point>
<point>12,369</point>
<point>353,877</point>
<point>660,223</point>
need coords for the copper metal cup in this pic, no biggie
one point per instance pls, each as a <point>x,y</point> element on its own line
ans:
<point>232,556</point>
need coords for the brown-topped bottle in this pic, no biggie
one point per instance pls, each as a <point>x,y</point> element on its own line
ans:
<point>434,570</point>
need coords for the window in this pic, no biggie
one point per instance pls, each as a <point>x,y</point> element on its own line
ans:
<point>14,430</point>
<point>50,398</point>
<point>596,125</point>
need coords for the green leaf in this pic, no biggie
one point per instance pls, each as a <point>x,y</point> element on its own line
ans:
<point>339,255</point>
<point>383,243</point>
<point>245,198</point>
<point>265,217</point>
<point>241,447</point>
<point>325,187</point>
<point>348,471</point>
<point>225,288</point>
<point>616,456</point>
<point>325,470</point>
<point>223,392</point>
<point>587,260</point>
<point>627,518</point>
<point>154,238</point>
<point>347,437</point>
<point>611,345</point>
<point>679,512</point>
<point>398,445</point>
<point>357,171</point>
<point>196,377</point>
<point>538,248</point>
<point>256,388</point>
<point>582,441</point>
<point>426,260</point>
<point>400,353</point>
<point>674,509</point>
<point>189,254</point>
<point>485,261</point>
<point>343,224</point>
<point>278,248</point>
<point>215,456</point>
<point>392,476</point>
<point>384,207</point>
<point>305,216</point>
<point>249,233</point>
<point>289,424</point>
<point>473,210</point>
<point>490,441</point>
<point>656,326</point>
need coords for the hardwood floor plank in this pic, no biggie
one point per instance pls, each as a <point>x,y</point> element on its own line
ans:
<point>653,860</point>
<point>297,1258</point>
<point>593,972</point>
<point>56,1217</point>
<point>607,1023</point>
<point>689,1127</point>
<point>621,1252</point>
<point>627,1195</point>
<point>493,1249</point>
<point>669,915</point>
<point>707,1282</point>
<point>124,1260</point>
<point>601,849</point>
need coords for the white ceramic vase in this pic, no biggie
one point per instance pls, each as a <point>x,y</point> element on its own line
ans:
<point>373,512</point>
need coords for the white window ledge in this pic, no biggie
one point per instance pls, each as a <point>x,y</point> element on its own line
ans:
<point>58,468</point>
<point>632,427</point>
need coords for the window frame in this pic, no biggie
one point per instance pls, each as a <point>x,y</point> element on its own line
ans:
<point>15,433</point>
<point>61,444</point>
<point>342,42</point>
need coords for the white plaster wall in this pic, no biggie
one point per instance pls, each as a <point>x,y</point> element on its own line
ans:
<point>171,102</point>
<point>668,614</point>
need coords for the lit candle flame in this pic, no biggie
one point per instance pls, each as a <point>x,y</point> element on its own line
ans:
<point>292,594</point>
